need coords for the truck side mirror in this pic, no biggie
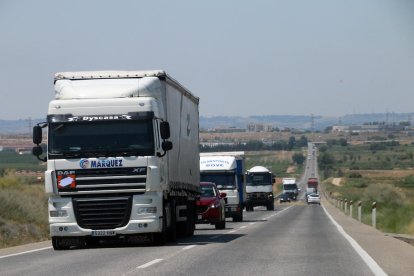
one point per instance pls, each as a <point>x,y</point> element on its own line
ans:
<point>165,130</point>
<point>167,145</point>
<point>37,135</point>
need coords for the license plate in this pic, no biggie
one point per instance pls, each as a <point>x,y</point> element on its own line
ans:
<point>200,216</point>
<point>103,233</point>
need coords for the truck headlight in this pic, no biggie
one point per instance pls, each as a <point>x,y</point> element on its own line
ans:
<point>58,214</point>
<point>147,210</point>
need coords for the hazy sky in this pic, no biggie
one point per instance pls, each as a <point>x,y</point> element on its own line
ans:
<point>291,57</point>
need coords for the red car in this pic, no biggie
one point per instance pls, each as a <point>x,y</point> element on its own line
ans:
<point>211,206</point>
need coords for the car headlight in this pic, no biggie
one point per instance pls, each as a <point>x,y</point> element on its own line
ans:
<point>214,205</point>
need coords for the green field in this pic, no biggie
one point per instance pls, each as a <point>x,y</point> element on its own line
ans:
<point>382,173</point>
<point>12,160</point>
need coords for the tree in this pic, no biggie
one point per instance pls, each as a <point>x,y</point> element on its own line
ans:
<point>298,158</point>
<point>291,143</point>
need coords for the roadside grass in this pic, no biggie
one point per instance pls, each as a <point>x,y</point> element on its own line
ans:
<point>23,211</point>
<point>393,194</point>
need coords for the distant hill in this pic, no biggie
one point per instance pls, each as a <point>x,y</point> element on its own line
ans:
<point>280,121</point>
<point>302,122</point>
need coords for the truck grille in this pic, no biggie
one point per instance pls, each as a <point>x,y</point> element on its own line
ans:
<point>107,180</point>
<point>102,212</point>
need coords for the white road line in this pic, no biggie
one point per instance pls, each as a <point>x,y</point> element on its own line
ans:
<point>251,223</point>
<point>371,263</point>
<point>232,231</point>
<point>25,252</point>
<point>244,226</point>
<point>150,263</point>
<point>214,237</point>
<point>189,247</point>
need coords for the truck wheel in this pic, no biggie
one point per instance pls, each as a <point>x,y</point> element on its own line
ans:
<point>220,225</point>
<point>271,206</point>
<point>238,217</point>
<point>186,228</point>
<point>161,238</point>
<point>172,232</point>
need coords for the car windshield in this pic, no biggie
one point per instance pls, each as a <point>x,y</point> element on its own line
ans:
<point>259,179</point>
<point>223,180</point>
<point>207,191</point>
<point>102,138</point>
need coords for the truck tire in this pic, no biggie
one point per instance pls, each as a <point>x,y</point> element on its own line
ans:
<point>238,217</point>
<point>271,206</point>
<point>186,228</point>
<point>161,238</point>
<point>172,231</point>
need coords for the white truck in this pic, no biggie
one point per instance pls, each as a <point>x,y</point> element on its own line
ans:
<point>122,157</point>
<point>259,188</point>
<point>290,187</point>
<point>226,169</point>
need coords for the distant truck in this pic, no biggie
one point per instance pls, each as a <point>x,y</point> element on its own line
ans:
<point>226,170</point>
<point>290,187</point>
<point>259,188</point>
<point>122,157</point>
<point>312,185</point>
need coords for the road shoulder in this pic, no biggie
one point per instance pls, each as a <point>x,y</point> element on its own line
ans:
<point>394,256</point>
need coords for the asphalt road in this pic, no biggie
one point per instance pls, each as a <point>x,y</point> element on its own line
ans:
<point>295,239</point>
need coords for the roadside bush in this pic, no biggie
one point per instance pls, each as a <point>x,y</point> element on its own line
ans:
<point>407,182</point>
<point>355,175</point>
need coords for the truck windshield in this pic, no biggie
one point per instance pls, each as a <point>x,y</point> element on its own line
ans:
<point>259,179</point>
<point>223,180</point>
<point>101,139</point>
<point>290,186</point>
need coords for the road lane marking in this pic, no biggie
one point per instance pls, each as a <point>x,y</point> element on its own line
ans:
<point>371,263</point>
<point>150,263</point>
<point>232,231</point>
<point>251,223</point>
<point>25,252</point>
<point>189,247</point>
<point>244,226</point>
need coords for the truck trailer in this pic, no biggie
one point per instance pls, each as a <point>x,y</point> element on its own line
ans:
<point>122,157</point>
<point>226,170</point>
<point>259,188</point>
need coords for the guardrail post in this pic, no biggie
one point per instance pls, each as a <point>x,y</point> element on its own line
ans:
<point>346,206</point>
<point>374,214</point>
<point>350,208</point>
<point>359,210</point>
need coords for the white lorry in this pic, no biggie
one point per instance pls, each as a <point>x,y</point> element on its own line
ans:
<point>226,169</point>
<point>259,188</point>
<point>290,187</point>
<point>122,157</point>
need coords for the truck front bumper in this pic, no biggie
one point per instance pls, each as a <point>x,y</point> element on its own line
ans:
<point>133,227</point>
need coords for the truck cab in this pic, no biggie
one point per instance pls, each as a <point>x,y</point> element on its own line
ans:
<point>259,188</point>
